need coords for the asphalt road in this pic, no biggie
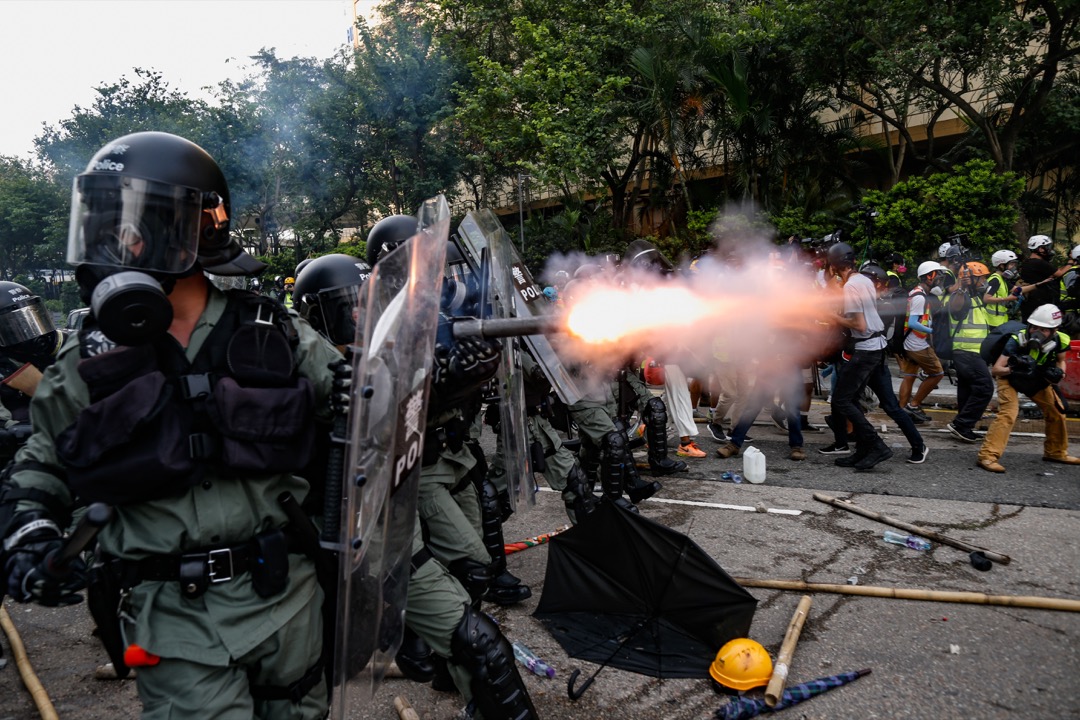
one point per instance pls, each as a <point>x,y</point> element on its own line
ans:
<point>929,660</point>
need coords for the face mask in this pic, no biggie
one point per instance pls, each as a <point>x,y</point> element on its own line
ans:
<point>901,269</point>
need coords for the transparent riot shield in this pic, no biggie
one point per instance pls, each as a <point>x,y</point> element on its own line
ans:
<point>477,231</point>
<point>488,257</point>
<point>392,362</point>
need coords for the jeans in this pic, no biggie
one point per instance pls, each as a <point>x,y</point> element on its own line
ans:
<point>791,397</point>
<point>879,381</point>
<point>974,388</point>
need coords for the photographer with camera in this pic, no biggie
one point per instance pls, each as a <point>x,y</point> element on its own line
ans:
<point>1032,362</point>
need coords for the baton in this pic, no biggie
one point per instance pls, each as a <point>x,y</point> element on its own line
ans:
<point>58,562</point>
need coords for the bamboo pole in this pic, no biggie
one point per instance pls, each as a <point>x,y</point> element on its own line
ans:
<point>404,709</point>
<point>913,529</point>
<point>775,688</point>
<point>953,596</point>
<point>26,670</point>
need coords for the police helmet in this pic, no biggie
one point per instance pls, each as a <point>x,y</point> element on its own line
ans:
<point>643,254</point>
<point>327,294</point>
<point>840,256</point>
<point>155,202</point>
<point>27,331</point>
<point>387,234</point>
<point>302,264</point>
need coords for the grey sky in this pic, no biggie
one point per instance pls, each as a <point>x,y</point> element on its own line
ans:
<point>55,52</point>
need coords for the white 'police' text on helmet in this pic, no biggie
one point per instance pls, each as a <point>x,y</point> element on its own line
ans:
<point>1045,316</point>
<point>1002,257</point>
<point>1037,241</point>
<point>928,267</point>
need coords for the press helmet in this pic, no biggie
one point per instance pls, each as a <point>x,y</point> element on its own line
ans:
<point>1045,316</point>
<point>155,202</point>
<point>290,280</point>
<point>1038,241</point>
<point>27,331</point>
<point>327,294</point>
<point>742,664</point>
<point>1075,254</point>
<point>928,267</point>
<point>943,249</point>
<point>840,255</point>
<point>1002,257</point>
<point>387,234</point>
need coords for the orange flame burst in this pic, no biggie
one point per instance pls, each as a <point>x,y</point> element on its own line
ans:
<point>612,314</point>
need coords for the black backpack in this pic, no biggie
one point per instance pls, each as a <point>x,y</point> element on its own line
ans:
<point>994,343</point>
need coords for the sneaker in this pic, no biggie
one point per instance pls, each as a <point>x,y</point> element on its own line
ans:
<point>879,454</point>
<point>797,453</point>
<point>917,414</point>
<point>918,455</point>
<point>778,419</point>
<point>717,432</point>
<point>805,426</point>
<point>961,434</point>
<point>834,449</point>
<point>728,450</point>
<point>690,450</point>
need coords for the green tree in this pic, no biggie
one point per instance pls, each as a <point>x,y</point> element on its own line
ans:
<point>33,223</point>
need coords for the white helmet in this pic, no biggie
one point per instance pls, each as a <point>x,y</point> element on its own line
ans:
<point>1075,254</point>
<point>1037,241</point>
<point>928,267</point>
<point>1002,257</point>
<point>1045,316</point>
<point>942,250</point>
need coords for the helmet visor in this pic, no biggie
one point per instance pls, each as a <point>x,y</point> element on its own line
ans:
<point>24,321</point>
<point>119,221</point>
<point>339,308</point>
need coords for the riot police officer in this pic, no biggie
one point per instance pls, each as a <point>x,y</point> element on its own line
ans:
<point>189,409</point>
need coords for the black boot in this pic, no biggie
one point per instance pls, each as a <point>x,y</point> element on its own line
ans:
<point>655,417</point>
<point>414,658</point>
<point>612,469</point>
<point>506,589</point>
<point>442,680</point>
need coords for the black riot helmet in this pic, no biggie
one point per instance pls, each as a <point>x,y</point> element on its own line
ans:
<point>643,254</point>
<point>300,266</point>
<point>149,208</point>
<point>27,332</point>
<point>387,234</point>
<point>327,293</point>
<point>840,256</point>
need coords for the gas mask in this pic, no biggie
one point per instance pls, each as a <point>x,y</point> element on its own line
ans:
<point>1010,273</point>
<point>1038,339</point>
<point>130,240</point>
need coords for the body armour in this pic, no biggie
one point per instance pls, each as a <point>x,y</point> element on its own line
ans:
<point>156,421</point>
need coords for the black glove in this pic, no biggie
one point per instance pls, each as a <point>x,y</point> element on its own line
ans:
<point>341,389</point>
<point>474,360</point>
<point>1053,374</point>
<point>26,568</point>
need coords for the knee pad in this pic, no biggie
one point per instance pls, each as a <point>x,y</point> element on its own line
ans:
<point>474,576</point>
<point>479,647</point>
<point>491,525</point>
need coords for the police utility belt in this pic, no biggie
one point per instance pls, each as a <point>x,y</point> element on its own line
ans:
<point>265,557</point>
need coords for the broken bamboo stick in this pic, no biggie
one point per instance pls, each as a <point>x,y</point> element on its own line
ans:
<point>404,709</point>
<point>775,689</point>
<point>913,529</point>
<point>953,596</point>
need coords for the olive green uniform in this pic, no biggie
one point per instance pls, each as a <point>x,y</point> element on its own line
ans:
<point>213,645</point>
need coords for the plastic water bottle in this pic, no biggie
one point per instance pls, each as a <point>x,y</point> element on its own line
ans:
<point>915,543</point>
<point>754,465</point>
<point>529,659</point>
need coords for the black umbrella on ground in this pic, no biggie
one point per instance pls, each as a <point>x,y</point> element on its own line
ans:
<point>626,591</point>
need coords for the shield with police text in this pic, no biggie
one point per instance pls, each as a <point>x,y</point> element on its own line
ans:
<point>392,362</point>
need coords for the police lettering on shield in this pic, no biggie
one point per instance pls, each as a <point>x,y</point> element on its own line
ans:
<point>410,438</point>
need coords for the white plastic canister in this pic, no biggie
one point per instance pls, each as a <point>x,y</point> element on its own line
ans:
<point>754,465</point>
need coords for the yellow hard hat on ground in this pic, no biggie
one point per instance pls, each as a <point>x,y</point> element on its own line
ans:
<point>742,664</point>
